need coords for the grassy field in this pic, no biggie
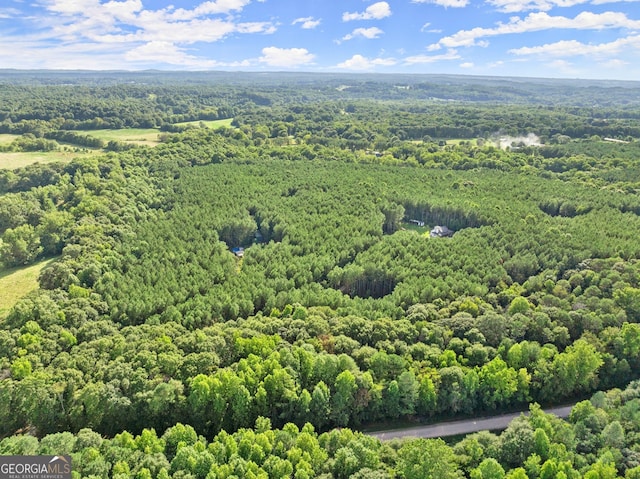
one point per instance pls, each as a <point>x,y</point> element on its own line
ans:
<point>418,229</point>
<point>12,160</point>
<point>209,123</point>
<point>457,141</point>
<point>139,136</point>
<point>6,138</point>
<point>17,282</point>
<point>147,136</point>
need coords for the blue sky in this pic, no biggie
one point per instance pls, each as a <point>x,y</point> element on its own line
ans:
<point>540,38</point>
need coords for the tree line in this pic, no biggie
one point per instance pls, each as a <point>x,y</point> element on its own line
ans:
<point>596,442</point>
<point>342,311</point>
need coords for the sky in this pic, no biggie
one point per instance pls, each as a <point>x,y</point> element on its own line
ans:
<point>595,39</point>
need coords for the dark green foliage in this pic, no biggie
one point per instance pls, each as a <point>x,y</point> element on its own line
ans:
<point>340,311</point>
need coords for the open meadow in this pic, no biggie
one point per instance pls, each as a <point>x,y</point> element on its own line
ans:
<point>213,124</point>
<point>15,283</point>
<point>7,138</point>
<point>138,136</point>
<point>18,159</point>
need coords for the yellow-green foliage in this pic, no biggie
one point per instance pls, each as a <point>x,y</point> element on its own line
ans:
<point>12,160</point>
<point>16,283</point>
<point>138,136</point>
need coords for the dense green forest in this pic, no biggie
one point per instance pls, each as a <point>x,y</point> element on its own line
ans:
<point>598,441</point>
<point>238,301</point>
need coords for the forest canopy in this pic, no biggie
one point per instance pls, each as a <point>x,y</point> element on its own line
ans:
<point>339,253</point>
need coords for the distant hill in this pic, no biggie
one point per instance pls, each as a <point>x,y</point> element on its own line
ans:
<point>595,93</point>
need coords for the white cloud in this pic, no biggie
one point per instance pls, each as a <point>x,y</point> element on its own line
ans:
<point>209,8</point>
<point>445,3</point>
<point>109,34</point>
<point>571,48</point>
<point>540,21</point>
<point>70,7</point>
<point>286,57</point>
<point>75,56</point>
<point>359,62</point>
<point>418,59</point>
<point>130,32</point>
<point>375,11</point>
<point>256,27</point>
<point>614,63</point>
<point>128,21</point>
<point>155,26</point>
<point>511,6</point>
<point>370,33</point>
<point>206,30</point>
<point>162,52</point>
<point>123,11</point>
<point>561,63</point>
<point>9,12</point>
<point>562,48</point>
<point>564,67</point>
<point>425,28</point>
<point>308,23</point>
<point>104,56</point>
<point>600,2</point>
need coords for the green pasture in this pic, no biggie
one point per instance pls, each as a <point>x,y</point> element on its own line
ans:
<point>7,138</point>
<point>139,136</point>
<point>16,283</point>
<point>148,136</point>
<point>13,160</point>
<point>213,124</point>
<point>457,141</point>
<point>414,227</point>
<point>67,152</point>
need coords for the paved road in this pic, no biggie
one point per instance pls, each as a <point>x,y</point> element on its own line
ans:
<point>464,426</point>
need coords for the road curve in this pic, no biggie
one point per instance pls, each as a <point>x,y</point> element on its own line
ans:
<point>465,426</point>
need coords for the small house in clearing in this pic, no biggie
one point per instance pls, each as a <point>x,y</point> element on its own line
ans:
<point>417,222</point>
<point>238,251</point>
<point>440,232</point>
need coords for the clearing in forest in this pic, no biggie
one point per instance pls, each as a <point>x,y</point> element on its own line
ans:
<point>16,283</point>
<point>7,138</point>
<point>138,136</point>
<point>13,160</point>
<point>213,124</point>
